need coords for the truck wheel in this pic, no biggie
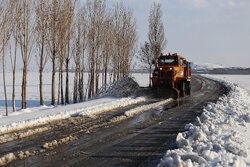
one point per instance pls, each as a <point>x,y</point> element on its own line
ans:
<point>188,88</point>
<point>182,89</point>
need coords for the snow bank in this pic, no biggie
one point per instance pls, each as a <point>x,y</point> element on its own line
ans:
<point>7,158</point>
<point>132,112</point>
<point>124,87</point>
<point>55,143</point>
<point>138,110</point>
<point>27,118</point>
<point>19,135</point>
<point>25,154</point>
<point>220,137</point>
<point>11,156</point>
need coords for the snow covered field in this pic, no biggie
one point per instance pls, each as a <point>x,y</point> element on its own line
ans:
<point>242,80</point>
<point>220,137</point>
<point>33,89</point>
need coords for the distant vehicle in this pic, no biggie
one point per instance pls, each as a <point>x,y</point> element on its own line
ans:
<point>173,71</point>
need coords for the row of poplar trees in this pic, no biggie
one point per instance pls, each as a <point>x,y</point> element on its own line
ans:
<point>95,38</point>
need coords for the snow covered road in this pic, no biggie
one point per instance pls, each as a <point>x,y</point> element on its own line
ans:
<point>102,140</point>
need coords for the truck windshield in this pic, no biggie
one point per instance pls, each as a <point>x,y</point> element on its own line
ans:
<point>168,61</point>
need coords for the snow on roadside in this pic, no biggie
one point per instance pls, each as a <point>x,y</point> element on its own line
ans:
<point>27,118</point>
<point>124,87</point>
<point>19,135</point>
<point>7,158</point>
<point>132,112</point>
<point>55,143</point>
<point>220,136</point>
<point>137,110</point>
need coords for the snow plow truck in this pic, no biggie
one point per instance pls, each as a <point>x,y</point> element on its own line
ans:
<point>174,72</point>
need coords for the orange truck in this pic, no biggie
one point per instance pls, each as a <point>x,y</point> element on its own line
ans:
<point>173,71</point>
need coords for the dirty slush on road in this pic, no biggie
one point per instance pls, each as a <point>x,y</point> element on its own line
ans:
<point>116,138</point>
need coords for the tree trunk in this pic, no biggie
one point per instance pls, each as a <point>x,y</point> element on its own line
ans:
<point>14,80</point>
<point>59,86</point>
<point>41,87</point>
<point>81,91</point>
<point>105,76</point>
<point>104,63</point>
<point>75,86</point>
<point>4,81</point>
<point>62,96</point>
<point>81,87</point>
<point>13,91</point>
<point>24,86</point>
<point>106,70</point>
<point>102,77</point>
<point>41,76</point>
<point>150,70</point>
<point>110,76</point>
<point>114,73</point>
<point>67,74</point>
<point>90,85</point>
<point>97,78</point>
<point>53,80</point>
<point>93,81</point>
<point>67,82</point>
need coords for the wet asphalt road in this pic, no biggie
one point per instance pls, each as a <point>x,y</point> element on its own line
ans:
<point>137,141</point>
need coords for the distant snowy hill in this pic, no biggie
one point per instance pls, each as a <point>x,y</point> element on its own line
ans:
<point>209,68</point>
<point>205,66</point>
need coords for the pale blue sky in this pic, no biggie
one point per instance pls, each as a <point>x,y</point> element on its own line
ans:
<point>213,31</point>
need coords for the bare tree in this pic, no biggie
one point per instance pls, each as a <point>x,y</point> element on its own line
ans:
<point>60,30</point>
<point>125,41</point>
<point>16,29</point>
<point>108,49</point>
<point>129,42</point>
<point>84,29</point>
<point>69,33</point>
<point>80,43</point>
<point>77,58</point>
<point>157,42</point>
<point>53,39</point>
<point>41,30</point>
<point>118,12</point>
<point>96,13</point>
<point>156,35</point>
<point>146,58</point>
<point>6,18</point>
<point>26,41</point>
<point>65,18</point>
<point>62,47</point>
